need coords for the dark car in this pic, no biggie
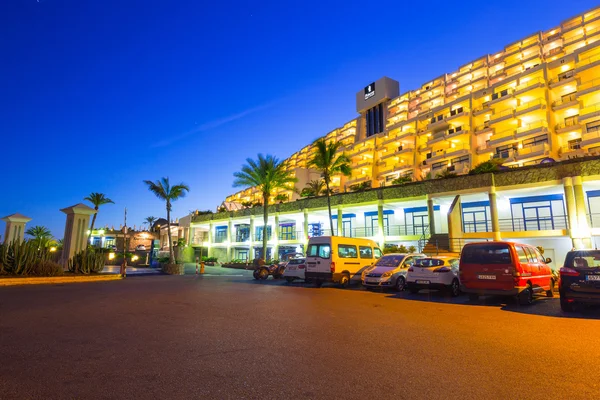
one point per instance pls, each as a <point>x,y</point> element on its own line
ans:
<point>580,279</point>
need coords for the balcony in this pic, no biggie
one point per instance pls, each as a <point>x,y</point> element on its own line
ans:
<point>589,112</point>
<point>562,79</point>
<point>450,152</point>
<point>501,96</point>
<point>531,84</point>
<point>538,104</point>
<point>565,102</point>
<point>541,149</point>
<point>501,137</point>
<point>590,138</point>
<point>502,115</point>
<point>399,150</point>
<point>568,125</point>
<point>291,235</point>
<point>568,152</point>
<point>535,128</point>
<point>481,109</point>
<point>588,87</point>
<point>587,62</point>
<point>483,129</point>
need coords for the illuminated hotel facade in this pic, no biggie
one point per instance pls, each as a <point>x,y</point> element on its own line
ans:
<point>537,100</point>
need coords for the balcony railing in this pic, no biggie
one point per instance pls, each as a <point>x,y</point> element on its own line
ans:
<point>589,84</point>
<point>291,235</point>
<point>588,60</point>
<point>565,100</point>
<point>567,123</point>
<point>534,103</point>
<point>533,224</point>
<point>589,110</point>
<point>529,83</point>
<point>534,125</point>
<point>502,114</point>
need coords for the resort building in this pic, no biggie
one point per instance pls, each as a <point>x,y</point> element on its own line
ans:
<point>536,101</point>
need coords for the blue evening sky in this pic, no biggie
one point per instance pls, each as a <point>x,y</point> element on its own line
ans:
<point>98,95</point>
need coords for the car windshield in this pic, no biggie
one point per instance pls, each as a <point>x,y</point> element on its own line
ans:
<point>429,262</point>
<point>486,254</point>
<point>297,261</point>
<point>583,259</point>
<point>391,261</point>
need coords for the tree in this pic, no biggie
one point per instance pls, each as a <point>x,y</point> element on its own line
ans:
<point>267,174</point>
<point>163,190</point>
<point>446,174</point>
<point>313,188</point>
<point>150,221</point>
<point>485,167</point>
<point>40,235</point>
<point>326,162</point>
<point>97,199</point>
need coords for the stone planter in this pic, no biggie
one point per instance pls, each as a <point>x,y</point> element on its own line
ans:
<point>173,269</point>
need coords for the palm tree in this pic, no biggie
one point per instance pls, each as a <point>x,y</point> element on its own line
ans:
<point>150,221</point>
<point>314,188</point>
<point>326,162</point>
<point>97,199</point>
<point>40,234</point>
<point>164,191</point>
<point>267,174</point>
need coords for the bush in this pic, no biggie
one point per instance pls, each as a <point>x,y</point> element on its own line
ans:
<point>24,258</point>
<point>87,262</point>
<point>163,260</point>
<point>46,268</point>
<point>209,259</point>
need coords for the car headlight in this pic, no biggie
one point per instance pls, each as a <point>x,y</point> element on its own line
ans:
<point>387,274</point>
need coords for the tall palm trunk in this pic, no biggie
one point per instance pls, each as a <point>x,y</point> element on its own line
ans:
<point>171,253</point>
<point>91,228</point>
<point>265,220</point>
<point>329,207</point>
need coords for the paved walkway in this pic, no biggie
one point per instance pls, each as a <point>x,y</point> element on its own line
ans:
<point>190,269</point>
<point>113,269</point>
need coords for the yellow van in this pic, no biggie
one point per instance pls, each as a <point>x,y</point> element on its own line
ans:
<point>339,259</point>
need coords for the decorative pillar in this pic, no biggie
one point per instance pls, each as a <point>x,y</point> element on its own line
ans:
<point>583,226</point>
<point>209,240</point>
<point>571,213</point>
<point>494,212</point>
<point>305,225</point>
<point>380,226</point>
<point>431,215</point>
<point>340,222</point>
<point>75,238</point>
<point>229,236</point>
<point>455,225</point>
<point>251,240</point>
<point>15,227</point>
<point>275,237</point>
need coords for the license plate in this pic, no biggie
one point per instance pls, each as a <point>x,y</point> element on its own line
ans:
<point>593,278</point>
<point>422,282</point>
<point>372,280</point>
<point>488,277</point>
<point>291,268</point>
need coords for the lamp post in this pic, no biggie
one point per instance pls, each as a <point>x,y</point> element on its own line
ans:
<point>124,263</point>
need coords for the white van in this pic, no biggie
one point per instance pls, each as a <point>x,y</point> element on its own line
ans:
<point>339,259</point>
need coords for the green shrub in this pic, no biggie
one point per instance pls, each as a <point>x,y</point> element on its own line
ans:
<point>209,259</point>
<point>21,258</point>
<point>163,260</point>
<point>46,268</point>
<point>87,262</point>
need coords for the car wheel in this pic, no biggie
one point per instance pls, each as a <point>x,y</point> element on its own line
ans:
<point>345,280</point>
<point>550,293</point>
<point>565,305</point>
<point>473,297</point>
<point>263,274</point>
<point>400,283</point>
<point>255,274</point>
<point>526,296</point>
<point>455,288</point>
<point>289,279</point>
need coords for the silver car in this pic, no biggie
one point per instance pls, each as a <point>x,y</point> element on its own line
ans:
<point>390,271</point>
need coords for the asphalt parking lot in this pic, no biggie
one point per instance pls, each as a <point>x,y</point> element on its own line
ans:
<point>232,337</point>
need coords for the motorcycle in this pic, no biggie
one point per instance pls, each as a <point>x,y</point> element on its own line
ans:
<point>263,272</point>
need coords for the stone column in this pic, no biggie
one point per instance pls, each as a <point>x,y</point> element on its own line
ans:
<point>15,227</point>
<point>275,237</point>
<point>571,212</point>
<point>455,225</point>
<point>305,228</point>
<point>251,240</point>
<point>229,238</point>
<point>380,225</point>
<point>209,240</point>
<point>75,238</point>
<point>431,215</point>
<point>583,226</point>
<point>494,216</point>
<point>340,222</point>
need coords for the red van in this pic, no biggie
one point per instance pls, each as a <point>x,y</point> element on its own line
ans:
<point>504,269</point>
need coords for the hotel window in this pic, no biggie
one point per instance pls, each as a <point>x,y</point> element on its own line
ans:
<point>505,151</point>
<point>535,141</point>
<point>593,126</point>
<point>593,197</point>
<point>500,94</point>
<point>574,144</point>
<point>259,232</point>
<point>220,234</point>
<point>287,231</point>
<point>242,233</point>
<point>372,224</point>
<point>456,111</point>
<point>476,217</point>
<point>570,121</point>
<point>374,120</point>
<point>538,213</point>
<point>568,97</point>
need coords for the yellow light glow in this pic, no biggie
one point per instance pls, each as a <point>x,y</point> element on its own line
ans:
<point>552,32</point>
<point>565,67</point>
<point>453,145</point>
<point>520,145</point>
<point>134,258</point>
<point>428,135</point>
<point>111,256</point>
<point>52,249</point>
<point>572,111</point>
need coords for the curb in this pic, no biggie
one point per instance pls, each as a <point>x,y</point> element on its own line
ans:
<point>58,279</point>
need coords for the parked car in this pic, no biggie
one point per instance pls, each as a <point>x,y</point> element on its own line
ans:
<point>389,271</point>
<point>438,272</point>
<point>504,269</point>
<point>580,279</point>
<point>140,247</point>
<point>295,269</point>
<point>339,259</point>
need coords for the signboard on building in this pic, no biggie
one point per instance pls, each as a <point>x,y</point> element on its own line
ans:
<point>370,91</point>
